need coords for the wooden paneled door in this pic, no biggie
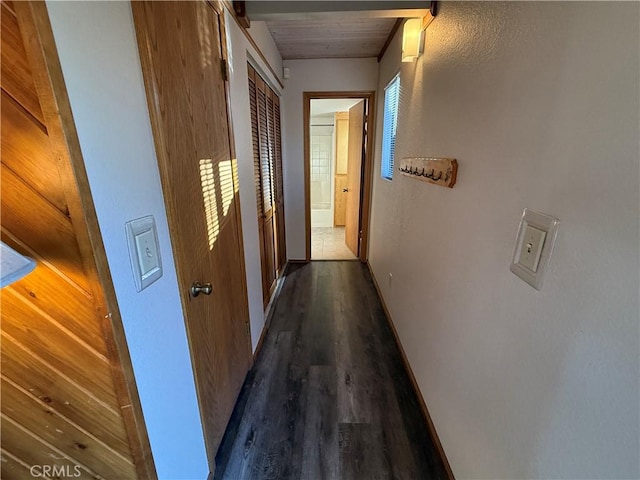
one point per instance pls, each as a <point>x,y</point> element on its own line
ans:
<point>267,162</point>
<point>185,76</point>
<point>341,162</point>
<point>354,176</point>
<point>69,400</point>
<point>340,205</point>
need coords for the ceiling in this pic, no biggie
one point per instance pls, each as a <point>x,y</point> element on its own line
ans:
<point>330,37</point>
<point>323,106</point>
<point>332,29</point>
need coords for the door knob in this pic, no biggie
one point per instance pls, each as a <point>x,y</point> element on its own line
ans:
<point>345,190</point>
<point>197,288</point>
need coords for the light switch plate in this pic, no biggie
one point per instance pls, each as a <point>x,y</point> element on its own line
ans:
<point>144,251</point>
<point>531,248</point>
<point>534,244</point>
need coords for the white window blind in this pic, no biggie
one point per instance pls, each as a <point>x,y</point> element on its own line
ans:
<point>391,100</point>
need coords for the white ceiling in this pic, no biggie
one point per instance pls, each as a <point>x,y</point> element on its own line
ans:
<point>324,106</point>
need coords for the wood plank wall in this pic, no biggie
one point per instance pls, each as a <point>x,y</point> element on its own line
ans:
<point>59,404</point>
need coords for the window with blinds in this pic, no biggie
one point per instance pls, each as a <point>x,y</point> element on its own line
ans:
<point>390,122</point>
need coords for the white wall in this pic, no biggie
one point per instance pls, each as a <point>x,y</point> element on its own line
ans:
<point>306,76</point>
<point>97,48</point>
<point>240,51</point>
<point>540,107</point>
<point>262,37</point>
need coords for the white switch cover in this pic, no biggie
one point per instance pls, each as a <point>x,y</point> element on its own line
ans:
<point>534,244</point>
<point>531,248</point>
<point>147,252</point>
<point>144,251</point>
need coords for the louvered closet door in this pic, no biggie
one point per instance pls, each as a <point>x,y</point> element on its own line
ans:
<point>257,175</point>
<point>281,258</point>
<point>275,184</point>
<point>264,145</point>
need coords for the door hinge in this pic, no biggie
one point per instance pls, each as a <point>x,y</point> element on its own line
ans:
<point>223,67</point>
<point>248,329</point>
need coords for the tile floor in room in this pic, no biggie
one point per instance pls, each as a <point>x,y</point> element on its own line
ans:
<point>328,244</point>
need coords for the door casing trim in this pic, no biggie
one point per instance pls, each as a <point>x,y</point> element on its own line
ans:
<point>367,165</point>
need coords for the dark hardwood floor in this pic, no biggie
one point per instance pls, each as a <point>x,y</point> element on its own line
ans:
<point>328,397</point>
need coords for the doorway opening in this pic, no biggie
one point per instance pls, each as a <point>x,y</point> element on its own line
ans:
<point>337,168</point>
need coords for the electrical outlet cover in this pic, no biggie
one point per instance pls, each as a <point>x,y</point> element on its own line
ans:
<point>534,245</point>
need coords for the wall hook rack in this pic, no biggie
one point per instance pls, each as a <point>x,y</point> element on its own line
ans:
<point>439,171</point>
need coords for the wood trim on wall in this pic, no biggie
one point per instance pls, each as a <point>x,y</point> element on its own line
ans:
<point>47,71</point>
<point>414,382</point>
<point>240,11</point>
<point>367,178</point>
<point>367,166</point>
<point>306,118</point>
<point>232,148</point>
<point>392,33</point>
<point>270,309</point>
<point>229,6</point>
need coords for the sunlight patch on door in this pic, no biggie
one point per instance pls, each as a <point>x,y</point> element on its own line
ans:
<point>219,187</point>
<point>209,197</point>
<point>226,185</point>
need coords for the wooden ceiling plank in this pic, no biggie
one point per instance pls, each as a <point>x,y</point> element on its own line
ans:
<point>8,4</point>
<point>26,150</point>
<point>32,450</point>
<point>13,468</point>
<point>47,291</point>
<point>45,382</point>
<point>118,445</point>
<point>15,71</point>
<point>44,228</point>
<point>74,442</point>
<point>37,334</point>
<point>331,38</point>
<point>28,305</point>
<point>30,373</point>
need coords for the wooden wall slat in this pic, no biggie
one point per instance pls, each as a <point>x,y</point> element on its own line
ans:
<point>34,451</point>
<point>71,400</point>
<point>66,437</point>
<point>41,226</point>
<point>37,334</point>
<point>25,149</point>
<point>55,328</point>
<point>17,79</point>
<point>12,469</point>
<point>48,292</point>
<point>9,5</point>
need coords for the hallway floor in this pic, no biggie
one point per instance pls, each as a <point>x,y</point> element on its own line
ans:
<point>327,243</point>
<point>328,396</point>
